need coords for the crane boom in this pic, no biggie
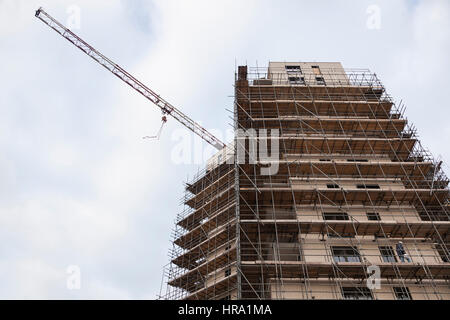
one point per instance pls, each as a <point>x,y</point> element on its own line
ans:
<point>122,74</point>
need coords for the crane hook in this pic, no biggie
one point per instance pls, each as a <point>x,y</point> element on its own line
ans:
<point>156,137</point>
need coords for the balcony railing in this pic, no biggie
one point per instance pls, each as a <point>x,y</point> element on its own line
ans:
<point>327,77</point>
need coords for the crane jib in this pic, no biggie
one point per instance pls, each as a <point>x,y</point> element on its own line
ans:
<point>122,74</point>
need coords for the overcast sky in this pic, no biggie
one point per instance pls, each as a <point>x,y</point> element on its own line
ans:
<point>78,184</point>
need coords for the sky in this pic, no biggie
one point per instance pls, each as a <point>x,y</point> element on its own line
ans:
<point>84,197</point>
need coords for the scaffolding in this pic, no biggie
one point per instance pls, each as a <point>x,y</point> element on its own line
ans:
<point>353,181</point>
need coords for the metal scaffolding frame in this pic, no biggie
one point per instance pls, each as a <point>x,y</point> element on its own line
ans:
<point>353,181</point>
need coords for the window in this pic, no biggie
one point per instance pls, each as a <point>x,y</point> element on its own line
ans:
<point>227,272</point>
<point>387,254</point>
<point>443,252</point>
<point>368,186</point>
<point>297,80</point>
<point>324,160</point>
<point>316,70</point>
<point>320,81</point>
<point>402,293</point>
<point>356,293</point>
<point>335,216</point>
<point>290,69</point>
<point>373,216</point>
<point>357,160</point>
<point>332,186</point>
<point>345,254</point>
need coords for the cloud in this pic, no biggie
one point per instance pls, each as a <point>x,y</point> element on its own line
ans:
<point>417,73</point>
<point>78,181</point>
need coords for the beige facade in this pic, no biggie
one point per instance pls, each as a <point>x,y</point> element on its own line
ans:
<point>354,197</point>
<point>310,73</point>
<point>322,289</point>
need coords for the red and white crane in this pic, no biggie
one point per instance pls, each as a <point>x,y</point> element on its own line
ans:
<point>122,74</point>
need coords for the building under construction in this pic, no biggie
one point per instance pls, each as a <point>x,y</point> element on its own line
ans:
<point>356,208</point>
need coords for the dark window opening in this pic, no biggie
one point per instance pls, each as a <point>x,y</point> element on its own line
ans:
<point>444,253</point>
<point>356,293</point>
<point>433,215</point>
<point>345,254</point>
<point>358,160</point>
<point>332,186</point>
<point>324,160</point>
<point>373,216</point>
<point>402,293</point>
<point>293,69</point>
<point>367,186</point>
<point>297,80</point>
<point>387,254</point>
<point>316,70</point>
<point>335,216</point>
<point>227,272</point>
<point>320,80</point>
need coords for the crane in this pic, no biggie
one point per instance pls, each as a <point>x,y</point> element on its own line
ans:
<point>122,74</point>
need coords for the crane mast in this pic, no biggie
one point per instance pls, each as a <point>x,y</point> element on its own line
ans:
<point>122,74</point>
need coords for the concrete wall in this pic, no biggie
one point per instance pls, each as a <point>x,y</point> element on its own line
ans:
<point>315,250</point>
<point>399,214</point>
<point>338,157</point>
<point>295,289</point>
<point>345,183</point>
<point>332,72</point>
